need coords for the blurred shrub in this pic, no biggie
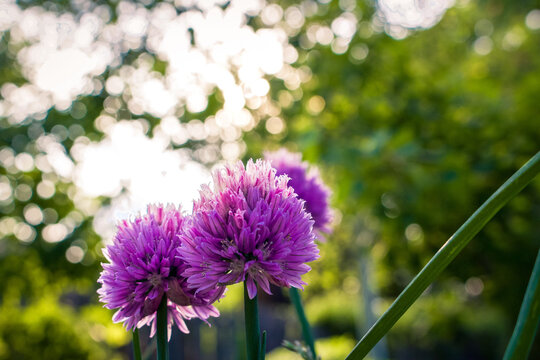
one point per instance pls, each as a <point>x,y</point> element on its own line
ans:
<point>332,348</point>
<point>449,324</point>
<point>47,330</point>
<point>334,312</point>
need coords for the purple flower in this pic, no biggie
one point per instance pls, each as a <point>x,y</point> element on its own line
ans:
<point>144,267</point>
<point>251,227</point>
<point>307,183</point>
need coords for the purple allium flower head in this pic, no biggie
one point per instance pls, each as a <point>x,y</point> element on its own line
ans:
<point>307,183</point>
<point>252,227</point>
<point>144,266</point>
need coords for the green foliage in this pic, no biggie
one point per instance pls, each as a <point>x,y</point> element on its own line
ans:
<point>335,311</point>
<point>49,329</point>
<point>450,324</point>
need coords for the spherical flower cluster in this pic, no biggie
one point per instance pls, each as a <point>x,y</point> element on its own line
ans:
<point>307,183</point>
<point>251,227</point>
<point>144,267</point>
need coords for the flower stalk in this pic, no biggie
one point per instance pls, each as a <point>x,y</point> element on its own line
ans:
<point>136,345</point>
<point>262,351</point>
<point>445,255</point>
<point>306,329</point>
<point>161,323</point>
<point>251,317</point>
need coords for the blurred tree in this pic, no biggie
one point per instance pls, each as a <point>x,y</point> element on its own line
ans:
<point>414,134</point>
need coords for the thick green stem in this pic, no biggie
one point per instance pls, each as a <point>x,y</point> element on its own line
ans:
<point>528,319</point>
<point>136,345</point>
<point>161,323</point>
<point>251,317</point>
<point>306,329</point>
<point>445,255</point>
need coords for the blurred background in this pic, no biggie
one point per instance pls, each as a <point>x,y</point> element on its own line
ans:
<point>414,111</point>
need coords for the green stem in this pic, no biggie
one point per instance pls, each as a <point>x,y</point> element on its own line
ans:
<point>136,345</point>
<point>528,319</point>
<point>262,352</point>
<point>306,329</point>
<point>251,317</point>
<point>445,255</point>
<point>161,323</point>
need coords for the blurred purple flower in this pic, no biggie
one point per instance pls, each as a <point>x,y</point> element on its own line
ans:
<point>307,183</point>
<point>144,266</point>
<point>252,227</point>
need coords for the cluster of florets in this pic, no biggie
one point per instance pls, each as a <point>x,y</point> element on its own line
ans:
<point>144,267</point>
<point>307,184</point>
<point>251,226</point>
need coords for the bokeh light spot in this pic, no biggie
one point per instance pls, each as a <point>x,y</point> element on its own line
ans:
<point>414,233</point>
<point>45,189</point>
<point>24,162</point>
<point>315,105</point>
<point>483,45</point>
<point>74,254</point>
<point>54,233</point>
<point>533,19</point>
<point>23,192</point>
<point>24,232</point>
<point>33,214</point>
<point>474,286</point>
<point>275,125</point>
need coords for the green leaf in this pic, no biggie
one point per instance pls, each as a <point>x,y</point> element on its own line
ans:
<point>528,319</point>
